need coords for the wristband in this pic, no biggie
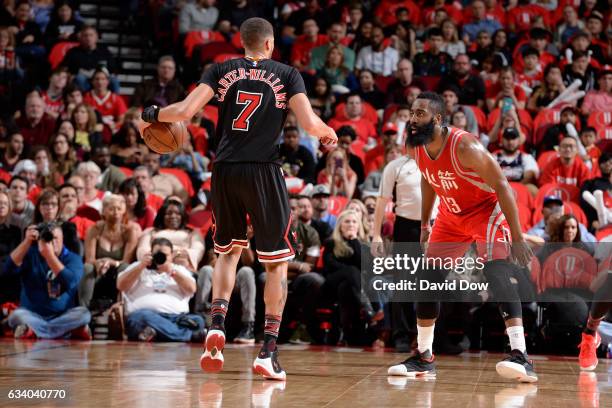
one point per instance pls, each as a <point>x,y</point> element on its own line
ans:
<point>150,114</point>
<point>426,227</point>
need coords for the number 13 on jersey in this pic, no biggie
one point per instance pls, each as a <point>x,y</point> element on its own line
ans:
<point>451,204</point>
<point>251,101</point>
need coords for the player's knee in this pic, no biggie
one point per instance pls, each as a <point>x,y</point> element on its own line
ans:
<point>427,310</point>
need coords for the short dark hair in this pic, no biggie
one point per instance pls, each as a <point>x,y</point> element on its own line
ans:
<point>436,103</point>
<point>290,128</point>
<point>588,129</point>
<point>254,31</point>
<point>530,51</point>
<point>162,242</point>
<point>346,131</point>
<point>25,180</point>
<point>434,32</point>
<point>580,54</point>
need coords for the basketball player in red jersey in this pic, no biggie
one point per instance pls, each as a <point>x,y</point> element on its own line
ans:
<point>254,95</point>
<point>476,205</point>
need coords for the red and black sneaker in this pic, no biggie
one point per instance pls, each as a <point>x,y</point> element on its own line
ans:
<point>417,365</point>
<point>266,364</point>
<point>211,360</point>
<point>517,367</point>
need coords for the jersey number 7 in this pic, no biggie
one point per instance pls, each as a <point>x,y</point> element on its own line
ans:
<point>251,102</point>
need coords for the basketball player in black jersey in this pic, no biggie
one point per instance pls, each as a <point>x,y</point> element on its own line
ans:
<point>254,95</point>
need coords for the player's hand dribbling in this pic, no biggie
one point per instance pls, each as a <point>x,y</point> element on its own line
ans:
<point>521,253</point>
<point>330,139</point>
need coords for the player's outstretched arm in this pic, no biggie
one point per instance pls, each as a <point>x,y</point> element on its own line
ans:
<point>309,121</point>
<point>472,155</point>
<point>179,111</point>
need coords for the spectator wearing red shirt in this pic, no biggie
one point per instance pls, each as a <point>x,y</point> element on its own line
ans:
<point>53,96</point>
<point>404,79</point>
<point>453,11</point>
<point>532,73</point>
<point>600,100</point>
<point>386,11</point>
<point>110,105</point>
<point>567,169</point>
<point>354,110</point>
<point>526,15</point>
<point>35,125</point>
<point>506,87</point>
<point>303,45</point>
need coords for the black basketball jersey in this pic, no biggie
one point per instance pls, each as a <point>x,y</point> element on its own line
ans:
<point>253,101</point>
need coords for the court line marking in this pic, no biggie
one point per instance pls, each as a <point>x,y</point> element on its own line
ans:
<point>34,350</point>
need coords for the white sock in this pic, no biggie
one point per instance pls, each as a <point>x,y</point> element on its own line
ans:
<point>425,337</point>
<point>516,334</point>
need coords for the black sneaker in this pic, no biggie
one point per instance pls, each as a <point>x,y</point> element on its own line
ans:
<point>417,365</point>
<point>266,364</point>
<point>517,367</point>
<point>147,334</point>
<point>247,334</point>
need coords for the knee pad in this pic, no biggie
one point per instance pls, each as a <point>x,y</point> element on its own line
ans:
<point>498,274</point>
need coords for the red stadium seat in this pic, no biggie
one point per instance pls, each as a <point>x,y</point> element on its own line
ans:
<point>208,51</point>
<point>226,57</point>
<point>181,176</point>
<point>201,220</point>
<point>58,52</point>
<point>382,82</point>
<point>565,192</point>
<point>603,232</point>
<point>602,122</point>
<point>195,38</point>
<point>522,194</point>
<point>576,210</point>
<point>88,212</point>
<point>480,116</point>
<point>236,41</point>
<point>211,113</point>
<point>568,268</point>
<point>336,204</point>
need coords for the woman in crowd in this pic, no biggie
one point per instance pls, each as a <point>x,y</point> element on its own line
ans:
<point>92,197</point>
<point>334,70</point>
<point>342,272</point>
<point>87,131</point>
<point>337,174</point>
<point>126,151</point>
<point>64,158</point>
<point>452,44</point>
<point>110,246</point>
<point>171,223</point>
<point>322,98</point>
<point>136,203</point>
<point>46,173</point>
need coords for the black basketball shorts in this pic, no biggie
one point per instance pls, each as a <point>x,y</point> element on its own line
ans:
<point>259,191</point>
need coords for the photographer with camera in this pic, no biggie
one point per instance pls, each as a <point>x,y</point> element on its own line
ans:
<point>50,275</point>
<point>157,293</point>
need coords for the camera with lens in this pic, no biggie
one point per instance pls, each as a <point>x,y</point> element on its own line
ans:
<point>45,231</point>
<point>159,258</point>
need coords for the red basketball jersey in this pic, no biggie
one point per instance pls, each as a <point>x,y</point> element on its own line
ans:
<point>461,191</point>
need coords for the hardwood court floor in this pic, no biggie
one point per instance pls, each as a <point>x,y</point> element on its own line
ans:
<point>132,375</point>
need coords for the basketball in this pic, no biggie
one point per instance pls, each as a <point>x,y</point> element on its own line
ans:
<point>165,137</point>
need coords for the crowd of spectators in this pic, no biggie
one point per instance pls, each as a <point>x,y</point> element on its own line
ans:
<point>531,80</point>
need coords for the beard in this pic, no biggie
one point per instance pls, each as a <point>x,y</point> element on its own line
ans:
<point>420,135</point>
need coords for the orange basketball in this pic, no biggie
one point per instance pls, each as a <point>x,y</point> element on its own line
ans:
<point>165,137</point>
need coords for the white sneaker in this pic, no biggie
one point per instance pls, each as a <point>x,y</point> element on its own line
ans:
<point>266,364</point>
